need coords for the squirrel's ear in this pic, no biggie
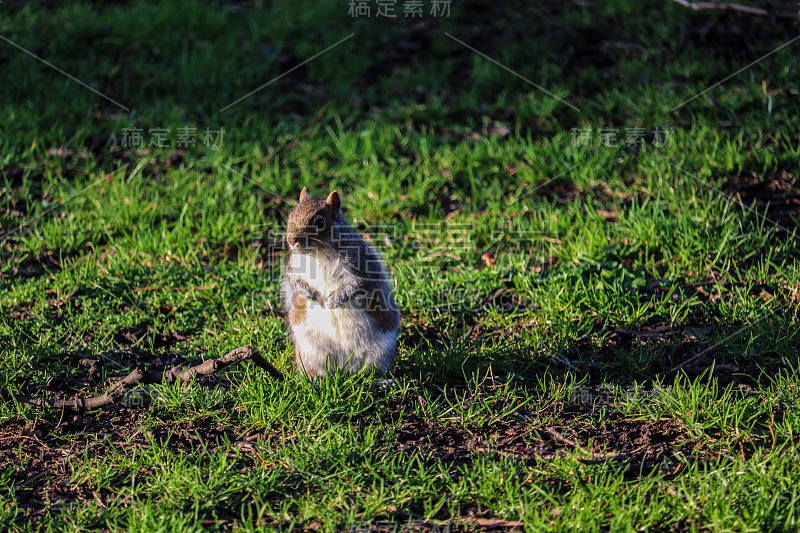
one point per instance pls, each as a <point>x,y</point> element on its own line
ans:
<point>303,194</point>
<point>335,202</point>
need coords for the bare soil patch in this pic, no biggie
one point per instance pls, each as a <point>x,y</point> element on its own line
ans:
<point>638,442</point>
<point>778,196</point>
<point>39,453</point>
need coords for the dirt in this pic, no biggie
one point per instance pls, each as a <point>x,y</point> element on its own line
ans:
<point>637,442</point>
<point>31,267</point>
<point>777,196</point>
<point>40,454</point>
<point>131,337</point>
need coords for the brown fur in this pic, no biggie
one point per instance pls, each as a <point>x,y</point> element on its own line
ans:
<point>300,226</point>
<point>298,310</point>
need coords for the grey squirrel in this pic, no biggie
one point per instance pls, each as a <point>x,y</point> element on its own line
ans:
<point>340,307</point>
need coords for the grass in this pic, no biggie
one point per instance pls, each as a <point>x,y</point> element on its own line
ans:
<point>595,337</point>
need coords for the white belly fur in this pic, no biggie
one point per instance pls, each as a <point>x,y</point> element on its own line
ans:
<point>347,335</point>
<point>318,269</point>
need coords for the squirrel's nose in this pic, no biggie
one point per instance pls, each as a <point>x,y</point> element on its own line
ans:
<point>291,239</point>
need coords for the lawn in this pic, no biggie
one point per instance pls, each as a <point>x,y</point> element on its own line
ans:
<point>589,210</point>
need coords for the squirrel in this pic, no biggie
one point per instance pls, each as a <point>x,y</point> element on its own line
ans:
<point>341,312</point>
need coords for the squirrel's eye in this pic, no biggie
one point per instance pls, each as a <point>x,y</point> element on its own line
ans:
<point>320,223</point>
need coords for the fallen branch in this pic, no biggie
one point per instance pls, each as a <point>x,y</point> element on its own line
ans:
<point>119,389</point>
<point>697,6</point>
<point>561,438</point>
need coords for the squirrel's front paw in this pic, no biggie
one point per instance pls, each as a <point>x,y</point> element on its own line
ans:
<point>333,302</point>
<point>338,298</point>
<point>305,290</point>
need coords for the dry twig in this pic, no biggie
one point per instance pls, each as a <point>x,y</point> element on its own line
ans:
<point>119,389</point>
